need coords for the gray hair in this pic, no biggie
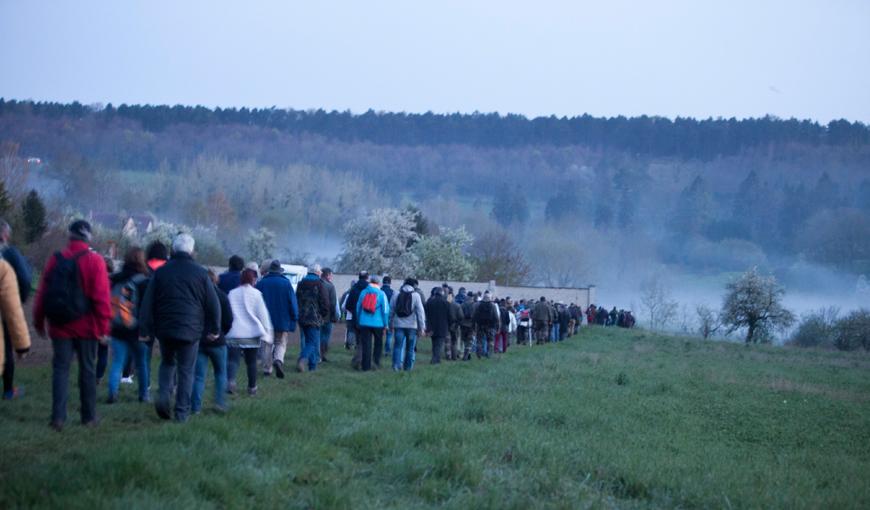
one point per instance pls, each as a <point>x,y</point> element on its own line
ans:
<point>183,243</point>
<point>374,279</point>
<point>314,268</point>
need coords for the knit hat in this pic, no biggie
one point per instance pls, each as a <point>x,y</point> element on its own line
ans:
<point>275,267</point>
<point>80,230</point>
<point>363,275</point>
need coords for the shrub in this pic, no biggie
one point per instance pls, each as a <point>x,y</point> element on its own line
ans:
<point>817,329</point>
<point>853,331</point>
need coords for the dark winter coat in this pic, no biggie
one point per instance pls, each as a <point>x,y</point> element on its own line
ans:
<point>456,316</point>
<point>180,302</point>
<point>353,297</point>
<point>333,301</point>
<point>438,316</point>
<point>313,299</point>
<point>280,301</point>
<point>226,321</point>
<point>541,312</point>
<point>229,280</point>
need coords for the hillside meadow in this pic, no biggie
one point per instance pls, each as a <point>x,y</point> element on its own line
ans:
<point>609,418</point>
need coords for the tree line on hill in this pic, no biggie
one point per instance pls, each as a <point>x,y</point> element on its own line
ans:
<point>708,196</point>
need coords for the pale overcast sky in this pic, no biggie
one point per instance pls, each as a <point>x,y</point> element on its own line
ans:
<point>805,59</point>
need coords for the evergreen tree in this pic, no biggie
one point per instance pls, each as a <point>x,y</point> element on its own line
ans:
<point>510,206</point>
<point>692,212</point>
<point>5,200</point>
<point>33,214</point>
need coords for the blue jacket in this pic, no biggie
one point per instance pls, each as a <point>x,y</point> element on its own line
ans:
<point>381,317</point>
<point>280,301</point>
<point>229,280</point>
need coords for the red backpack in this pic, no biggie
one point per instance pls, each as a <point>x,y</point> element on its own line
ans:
<point>370,302</point>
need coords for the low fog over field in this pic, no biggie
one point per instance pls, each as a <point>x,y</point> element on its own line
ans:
<point>615,203</point>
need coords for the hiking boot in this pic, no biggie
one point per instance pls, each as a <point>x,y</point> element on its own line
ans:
<point>112,399</point>
<point>252,392</point>
<point>267,374</point>
<point>323,359</point>
<point>301,365</point>
<point>163,412</point>
<point>221,409</point>
<point>231,387</point>
<point>92,424</point>
<point>279,369</point>
<point>57,426</point>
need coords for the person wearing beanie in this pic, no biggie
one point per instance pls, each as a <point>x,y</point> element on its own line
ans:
<point>284,312</point>
<point>156,254</point>
<point>77,313</point>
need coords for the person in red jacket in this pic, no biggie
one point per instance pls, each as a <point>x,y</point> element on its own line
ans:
<point>86,322</point>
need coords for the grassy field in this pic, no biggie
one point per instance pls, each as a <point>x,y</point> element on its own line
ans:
<point>607,419</point>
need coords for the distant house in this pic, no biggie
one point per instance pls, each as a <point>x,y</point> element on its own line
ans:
<point>130,225</point>
<point>137,225</point>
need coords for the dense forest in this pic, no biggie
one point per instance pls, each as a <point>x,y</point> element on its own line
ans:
<point>621,196</point>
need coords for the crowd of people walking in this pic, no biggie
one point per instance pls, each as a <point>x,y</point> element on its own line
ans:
<point>161,296</point>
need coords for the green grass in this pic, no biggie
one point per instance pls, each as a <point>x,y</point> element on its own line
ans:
<point>607,419</point>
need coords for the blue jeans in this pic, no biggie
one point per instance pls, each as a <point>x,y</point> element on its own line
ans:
<point>556,332</point>
<point>121,351</point>
<point>218,356</point>
<point>325,334</point>
<point>388,342</point>
<point>310,339</point>
<point>403,351</point>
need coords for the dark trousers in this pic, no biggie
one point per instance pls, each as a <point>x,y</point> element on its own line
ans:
<point>368,338</point>
<point>86,351</point>
<point>437,345</point>
<point>102,360</point>
<point>8,363</point>
<point>234,359</point>
<point>177,357</point>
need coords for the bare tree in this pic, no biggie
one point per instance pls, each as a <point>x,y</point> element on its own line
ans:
<point>656,299</point>
<point>499,258</point>
<point>709,322</point>
<point>754,302</point>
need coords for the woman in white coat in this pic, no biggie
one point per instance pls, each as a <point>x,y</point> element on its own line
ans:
<point>251,327</point>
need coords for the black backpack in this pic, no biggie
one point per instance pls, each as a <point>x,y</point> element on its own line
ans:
<point>405,304</point>
<point>485,314</point>
<point>64,299</point>
<point>309,306</point>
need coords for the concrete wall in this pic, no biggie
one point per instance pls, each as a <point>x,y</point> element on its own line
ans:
<point>580,296</point>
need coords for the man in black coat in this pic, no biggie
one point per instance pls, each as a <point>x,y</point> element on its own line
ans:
<point>437,322</point>
<point>179,308</point>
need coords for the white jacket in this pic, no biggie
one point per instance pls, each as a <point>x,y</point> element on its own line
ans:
<point>250,315</point>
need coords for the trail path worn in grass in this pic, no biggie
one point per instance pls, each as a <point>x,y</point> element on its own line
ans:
<point>609,418</point>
